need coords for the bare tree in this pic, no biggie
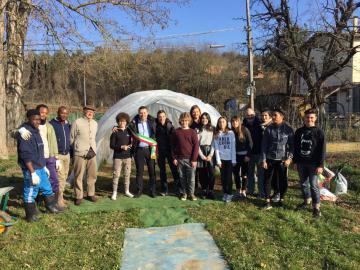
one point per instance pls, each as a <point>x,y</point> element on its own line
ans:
<point>61,21</point>
<point>314,51</point>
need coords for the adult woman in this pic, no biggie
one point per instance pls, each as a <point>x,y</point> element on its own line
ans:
<point>164,129</point>
<point>244,145</point>
<point>206,152</point>
<point>195,113</point>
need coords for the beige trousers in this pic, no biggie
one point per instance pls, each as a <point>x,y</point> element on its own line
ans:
<point>64,172</point>
<point>81,166</point>
<point>117,167</point>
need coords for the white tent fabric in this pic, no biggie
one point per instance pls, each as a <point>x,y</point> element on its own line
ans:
<point>171,102</point>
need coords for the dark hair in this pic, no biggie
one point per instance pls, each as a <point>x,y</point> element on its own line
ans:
<point>38,107</point>
<point>311,111</point>
<point>143,107</point>
<point>208,126</point>
<point>266,110</point>
<point>160,111</point>
<point>123,116</point>
<point>61,108</point>
<point>217,129</point>
<point>32,112</point>
<point>193,107</point>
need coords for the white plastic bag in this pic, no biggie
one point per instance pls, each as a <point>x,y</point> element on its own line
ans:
<point>341,184</point>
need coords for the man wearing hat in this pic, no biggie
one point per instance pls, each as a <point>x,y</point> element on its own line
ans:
<point>277,150</point>
<point>82,138</point>
<point>32,162</point>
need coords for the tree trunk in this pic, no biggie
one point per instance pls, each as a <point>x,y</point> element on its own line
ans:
<point>16,28</point>
<point>3,139</point>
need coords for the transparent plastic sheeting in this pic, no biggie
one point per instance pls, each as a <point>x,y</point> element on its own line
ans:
<point>171,102</point>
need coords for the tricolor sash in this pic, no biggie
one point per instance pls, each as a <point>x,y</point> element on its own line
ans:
<point>145,139</point>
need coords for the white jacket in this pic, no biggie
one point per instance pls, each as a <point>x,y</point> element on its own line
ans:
<point>225,149</point>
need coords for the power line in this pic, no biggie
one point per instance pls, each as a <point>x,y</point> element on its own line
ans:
<point>144,39</point>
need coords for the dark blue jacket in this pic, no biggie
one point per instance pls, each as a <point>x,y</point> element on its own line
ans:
<point>151,127</point>
<point>31,150</point>
<point>256,134</point>
<point>62,132</point>
<point>278,142</point>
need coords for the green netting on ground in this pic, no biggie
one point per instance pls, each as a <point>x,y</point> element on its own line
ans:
<point>163,216</point>
<point>125,203</point>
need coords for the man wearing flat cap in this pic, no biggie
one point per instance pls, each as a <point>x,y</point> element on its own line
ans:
<point>277,150</point>
<point>82,138</point>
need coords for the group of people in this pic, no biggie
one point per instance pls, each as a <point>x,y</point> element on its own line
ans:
<point>245,150</point>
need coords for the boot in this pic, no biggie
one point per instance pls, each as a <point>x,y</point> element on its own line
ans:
<point>60,200</point>
<point>51,205</point>
<point>30,211</point>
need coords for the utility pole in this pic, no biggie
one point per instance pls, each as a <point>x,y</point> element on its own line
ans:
<point>250,56</point>
<point>84,80</point>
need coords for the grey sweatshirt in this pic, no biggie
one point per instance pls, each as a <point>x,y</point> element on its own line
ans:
<point>277,142</point>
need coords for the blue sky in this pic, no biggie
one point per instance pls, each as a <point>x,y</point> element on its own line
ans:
<point>202,16</point>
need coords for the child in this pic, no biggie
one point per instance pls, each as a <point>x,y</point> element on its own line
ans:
<point>206,152</point>
<point>120,142</point>
<point>225,153</point>
<point>309,156</point>
<point>244,144</point>
<point>185,149</point>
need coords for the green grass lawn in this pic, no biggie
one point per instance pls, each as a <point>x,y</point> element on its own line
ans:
<point>249,237</point>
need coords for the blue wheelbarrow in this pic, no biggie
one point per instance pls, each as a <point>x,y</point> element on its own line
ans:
<point>6,221</point>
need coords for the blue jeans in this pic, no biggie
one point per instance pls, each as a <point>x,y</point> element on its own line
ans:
<point>31,191</point>
<point>187,176</point>
<point>309,182</point>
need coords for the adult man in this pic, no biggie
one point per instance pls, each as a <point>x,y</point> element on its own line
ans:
<point>143,124</point>
<point>266,120</point>
<point>253,124</point>
<point>309,156</point>
<point>48,137</point>
<point>277,150</point>
<point>82,140</point>
<point>62,131</point>
<point>32,162</point>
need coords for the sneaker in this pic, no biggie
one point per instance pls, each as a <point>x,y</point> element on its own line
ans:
<point>267,206</point>
<point>276,198</point>
<point>302,206</point>
<point>114,195</point>
<point>229,198</point>
<point>128,194</point>
<point>316,213</point>
<point>244,194</point>
<point>224,198</point>
<point>183,197</point>
<point>192,197</point>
